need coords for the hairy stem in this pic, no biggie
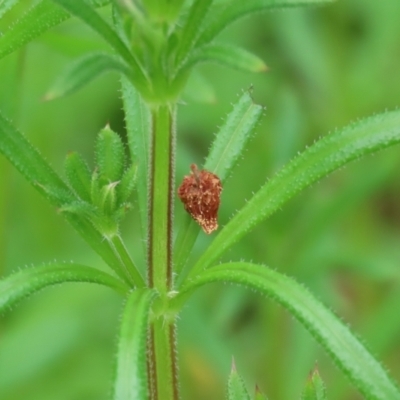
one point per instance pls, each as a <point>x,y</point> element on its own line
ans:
<point>164,377</point>
<point>162,361</point>
<point>161,199</point>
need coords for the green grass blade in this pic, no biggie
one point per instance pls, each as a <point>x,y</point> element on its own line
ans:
<point>87,14</point>
<point>82,71</point>
<point>39,19</point>
<point>131,374</point>
<point>342,346</point>
<point>222,15</point>
<point>138,123</point>
<point>229,55</point>
<point>236,387</point>
<point>225,151</point>
<point>28,281</point>
<point>328,154</point>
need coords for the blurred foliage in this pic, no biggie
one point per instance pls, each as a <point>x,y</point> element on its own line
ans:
<point>327,66</point>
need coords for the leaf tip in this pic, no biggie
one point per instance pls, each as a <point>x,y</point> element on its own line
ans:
<point>261,67</point>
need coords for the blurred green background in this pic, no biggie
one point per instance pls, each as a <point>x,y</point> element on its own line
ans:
<point>327,67</point>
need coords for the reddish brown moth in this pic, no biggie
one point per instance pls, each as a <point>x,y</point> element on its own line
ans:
<point>200,194</point>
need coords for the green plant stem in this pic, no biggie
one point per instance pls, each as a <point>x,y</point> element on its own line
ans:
<point>161,199</point>
<point>127,262</point>
<point>163,361</point>
<point>163,383</point>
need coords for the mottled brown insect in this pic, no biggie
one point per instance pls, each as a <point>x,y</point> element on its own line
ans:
<point>200,194</point>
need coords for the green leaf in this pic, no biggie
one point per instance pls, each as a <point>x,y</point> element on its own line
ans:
<point>110,156</point>
<point>229,55</point>
<point>28,281</point>
<point>108,199</point>
<point>342,346</point>
<point>236,387</point>
<point>119,20</point>
<point>6,5</point>
<point>86,13</point>
<point>190,30</point>
<point>131,374</point>
<point>221,14</point>
<point>82,71</point>
<point>328,154</point>
<point>80,208</point>
<point>258,395</point>
<point>39,19</point>
<point>126,184</point>
<point>315,388</point>
<point>78,175</point>
<point>233,136</point>
<point>138,123</point>
<point>225,151</point>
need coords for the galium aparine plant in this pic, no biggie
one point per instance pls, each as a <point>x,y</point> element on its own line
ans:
<point>155,46</point>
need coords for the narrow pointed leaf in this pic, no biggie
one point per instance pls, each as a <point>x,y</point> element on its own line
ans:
<point>83,71</point>
<point>315,388</point>
<point>138,123</point>
<point>231,140</point>
<point>222,15</point>
<point>229,55</point>
<point>224,153</point>
<point>6,5</point>
<point>30,280</point>
<point>131,375</point>
<point>39,19</point>
<point>190,30</point>
<point>236,387</point>
<point>108,199</point>
<point>127,184</point>
<point>328,154</point>
<point>118,19</point>
<point>78,175</point>
<point>110,156</point>
<point>259,395</point>
<point>80,208</point>
<point>343,347</point>
<point>86,13</point>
